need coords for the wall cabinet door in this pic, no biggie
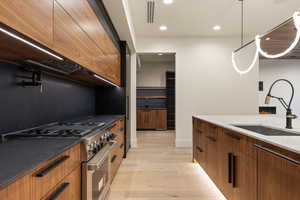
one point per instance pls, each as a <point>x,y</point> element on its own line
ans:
<point>278,178</point>
<point>33,18</point>
<point>87,20</point>
<point>71,41</point>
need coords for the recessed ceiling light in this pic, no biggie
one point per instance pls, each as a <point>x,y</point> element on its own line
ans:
<point>217,28</point>
<point>168,1</point>
<point>268,38</point>
<point>160,54</point>
<point>163,28</point>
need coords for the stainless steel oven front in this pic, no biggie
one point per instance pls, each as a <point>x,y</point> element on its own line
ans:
<point>96,175</point>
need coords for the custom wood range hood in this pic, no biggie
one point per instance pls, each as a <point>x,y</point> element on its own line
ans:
<point>279,39</point>
<point>67,39</point>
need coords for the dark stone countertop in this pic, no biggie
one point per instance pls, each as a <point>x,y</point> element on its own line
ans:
<point>20,156</point>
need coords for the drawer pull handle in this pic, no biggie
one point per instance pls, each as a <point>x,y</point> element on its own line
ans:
<point>212,138</point>
<point>277,154</point>
<point>113,159</point>
<point>233,136</point>
<point>230,167</point>
<point>199,149</point>
<point>122,145</point>
<point>58,191</point>
<point>52,166</point>
<point>233,169</point>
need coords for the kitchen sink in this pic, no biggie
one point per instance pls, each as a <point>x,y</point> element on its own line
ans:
<point>264,130</point>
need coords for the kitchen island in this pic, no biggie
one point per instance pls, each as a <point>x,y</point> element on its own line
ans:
<point>247,165</point>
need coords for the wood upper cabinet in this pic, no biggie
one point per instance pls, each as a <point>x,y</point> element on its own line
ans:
<point>33,18</point>
<point>278,178</point>
<point>86,26</point>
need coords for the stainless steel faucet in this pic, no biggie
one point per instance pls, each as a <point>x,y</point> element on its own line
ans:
<point>289,114</point>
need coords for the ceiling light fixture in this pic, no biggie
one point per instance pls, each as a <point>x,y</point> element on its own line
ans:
<point>249,68</point>
<point>30,43</point>
<point>163,28</point>
<point>107,81</point>
<point>217,28</point>
<point>168,2</point>
<point>257,40</point>
<point>296,19</point>
<point>241,72</point>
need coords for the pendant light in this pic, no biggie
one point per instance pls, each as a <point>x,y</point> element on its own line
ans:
<point>296,19</point>
<point>242,44</point>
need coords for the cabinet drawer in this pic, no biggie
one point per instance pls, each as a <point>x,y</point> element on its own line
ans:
<point>19,190</point>
<point>52,172</point>
<point>68,189</point>
<point>116,160</point>
<point>118,130</point>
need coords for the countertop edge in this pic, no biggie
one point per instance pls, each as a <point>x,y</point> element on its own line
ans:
<point>246,133</point>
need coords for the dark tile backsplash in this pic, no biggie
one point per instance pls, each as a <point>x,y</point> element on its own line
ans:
<point>27,107</point>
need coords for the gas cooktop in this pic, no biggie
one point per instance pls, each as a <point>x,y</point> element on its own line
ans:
<point>60,129</point>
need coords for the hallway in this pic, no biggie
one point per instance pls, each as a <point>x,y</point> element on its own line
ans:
<point>156,170</point>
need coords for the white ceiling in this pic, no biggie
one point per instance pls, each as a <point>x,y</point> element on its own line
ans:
<point>187,18</point>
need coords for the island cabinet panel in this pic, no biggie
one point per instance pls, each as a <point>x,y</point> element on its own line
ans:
<point>229,158</point>
<point>73,42</point>
<point>198,142</point>
<point>278,178</point>
<point>20,190</point>
<point>33,18</point>
<point>211,148</point>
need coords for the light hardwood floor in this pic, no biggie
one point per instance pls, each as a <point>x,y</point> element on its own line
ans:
<point>157,170</point>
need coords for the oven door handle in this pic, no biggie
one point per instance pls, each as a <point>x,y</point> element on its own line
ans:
<point>100,157</point>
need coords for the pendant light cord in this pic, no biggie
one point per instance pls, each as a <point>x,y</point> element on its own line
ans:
<point>242,22</point>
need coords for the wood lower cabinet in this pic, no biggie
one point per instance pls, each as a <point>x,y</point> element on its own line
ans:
<point>244,168</point>
<point>117,153</point>
<point>20,190</point>
<point>59,176</point>
<point>68,189</point>
<point>152,119</point>
<point>33,18</point>
<point>278,177</point>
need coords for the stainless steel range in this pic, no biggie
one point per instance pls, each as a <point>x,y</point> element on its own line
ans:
<point>97,143</point>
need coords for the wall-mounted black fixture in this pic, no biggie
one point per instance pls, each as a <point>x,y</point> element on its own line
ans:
<point>34,80</point>
<point>260,86</point>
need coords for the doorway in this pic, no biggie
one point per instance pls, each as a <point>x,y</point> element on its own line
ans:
<point>155,93</point>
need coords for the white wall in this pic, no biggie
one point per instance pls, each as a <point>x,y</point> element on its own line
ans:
<point>206,82</point>
<point>271,70</point>
<point>153,74</point>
